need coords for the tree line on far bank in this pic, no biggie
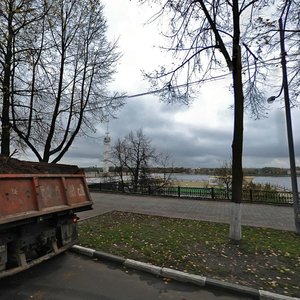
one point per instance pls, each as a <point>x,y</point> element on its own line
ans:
<point>266,171</point>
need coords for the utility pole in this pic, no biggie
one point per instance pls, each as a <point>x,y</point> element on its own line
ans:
<point>289,129</point>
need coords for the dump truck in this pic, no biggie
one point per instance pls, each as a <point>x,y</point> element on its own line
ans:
<point>38,206</point>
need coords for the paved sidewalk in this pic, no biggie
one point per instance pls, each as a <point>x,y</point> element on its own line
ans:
<point>277,217</point>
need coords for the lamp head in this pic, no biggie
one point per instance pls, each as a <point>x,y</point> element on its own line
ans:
<point>271,99</point>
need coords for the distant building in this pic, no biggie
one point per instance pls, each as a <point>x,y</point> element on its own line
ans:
<point>92,172</point>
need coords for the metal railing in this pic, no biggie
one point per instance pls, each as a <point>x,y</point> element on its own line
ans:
<point>249,195</point>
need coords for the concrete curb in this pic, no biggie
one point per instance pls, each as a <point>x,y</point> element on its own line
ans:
<point>264,295</point>
<point>232,287</point>
<point>182,276</point>
<point>143,267</point>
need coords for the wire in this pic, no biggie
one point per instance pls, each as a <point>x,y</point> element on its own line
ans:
<point>177,86</point>
<point>275,60</point>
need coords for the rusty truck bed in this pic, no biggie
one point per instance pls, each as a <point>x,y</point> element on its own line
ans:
<point>24,196</point>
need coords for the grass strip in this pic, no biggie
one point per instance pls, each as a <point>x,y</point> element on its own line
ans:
<point>265,258</point>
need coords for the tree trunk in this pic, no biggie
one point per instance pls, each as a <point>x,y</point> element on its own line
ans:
<point>237,144</point>
<point>5,127</point>
<point>237,150</point>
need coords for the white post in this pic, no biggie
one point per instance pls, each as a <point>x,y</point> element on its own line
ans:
<point>235,230</point>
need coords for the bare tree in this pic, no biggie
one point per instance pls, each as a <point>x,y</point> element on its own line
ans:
<point>211,39</point>
<point>133,153</point>
<point>289,13</point>
<point>59,90</point>
<point>165,163</point>
<point>224,175</point>
<point>118,159</point>
<point>266,41</point>
<point>17,18</point>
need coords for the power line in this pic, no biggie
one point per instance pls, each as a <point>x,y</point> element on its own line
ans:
<point>177,86</point>
<point>275,60</point>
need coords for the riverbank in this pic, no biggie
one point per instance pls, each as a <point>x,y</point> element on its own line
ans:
<point>192,180</point>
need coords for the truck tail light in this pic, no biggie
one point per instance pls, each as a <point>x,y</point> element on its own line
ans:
<point>75,219</point>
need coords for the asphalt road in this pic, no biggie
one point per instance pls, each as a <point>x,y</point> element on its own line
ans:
<point>72,277</point>
<point>69,276</point>
<point>278,217</point>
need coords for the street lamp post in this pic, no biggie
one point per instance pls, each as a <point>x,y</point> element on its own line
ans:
<point>289,128</point>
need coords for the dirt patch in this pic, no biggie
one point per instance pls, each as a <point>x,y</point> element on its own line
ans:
<point>14,166</point>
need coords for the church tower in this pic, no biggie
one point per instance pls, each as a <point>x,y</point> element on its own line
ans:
<point>106,152</point>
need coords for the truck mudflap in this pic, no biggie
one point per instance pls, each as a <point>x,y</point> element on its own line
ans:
<point>24,246</point>
<point>26,265</point>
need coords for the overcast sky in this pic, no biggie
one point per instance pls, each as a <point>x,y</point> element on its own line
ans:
<point>199,135</point>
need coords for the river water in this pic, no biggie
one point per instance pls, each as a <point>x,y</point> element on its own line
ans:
<point>280,181</point>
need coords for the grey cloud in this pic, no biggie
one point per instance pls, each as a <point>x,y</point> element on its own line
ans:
<point>191,146</point>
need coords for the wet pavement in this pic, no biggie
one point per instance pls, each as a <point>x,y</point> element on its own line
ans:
<point>72,277</point>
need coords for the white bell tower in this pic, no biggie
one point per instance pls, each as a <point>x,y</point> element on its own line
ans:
<point>106,152</point>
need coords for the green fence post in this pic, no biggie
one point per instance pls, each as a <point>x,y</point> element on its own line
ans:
<point>178,190</point>
<point>100,186</point>
<point>149,189</point>
<point>251,196</point>
<point>212,193</point>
